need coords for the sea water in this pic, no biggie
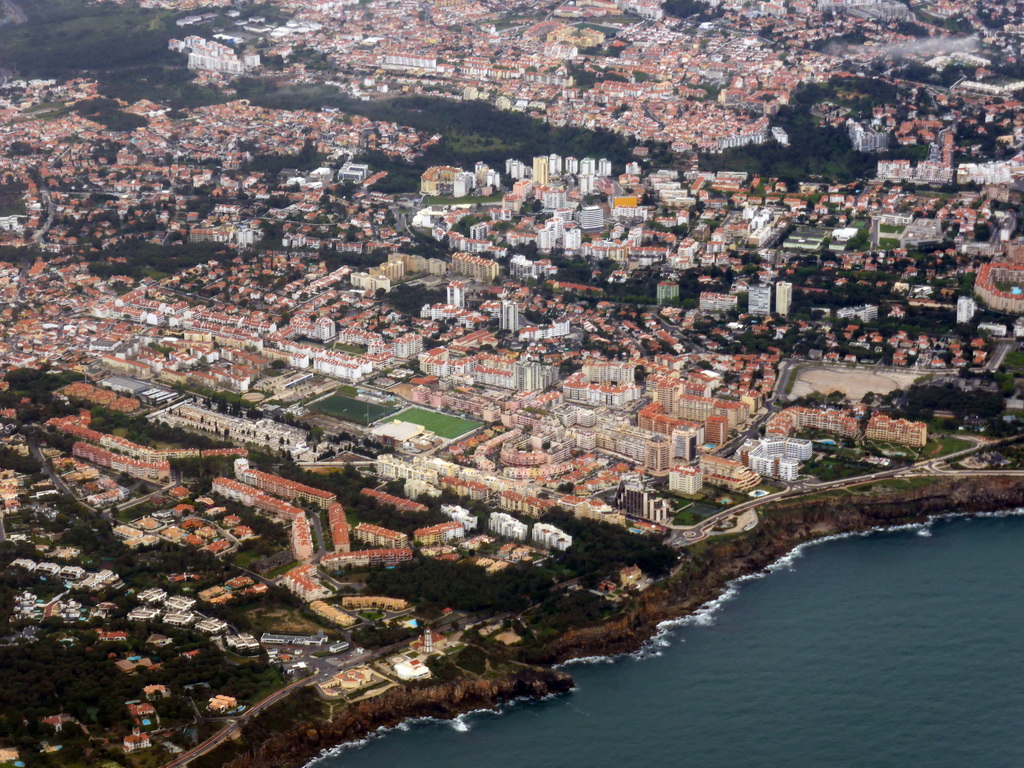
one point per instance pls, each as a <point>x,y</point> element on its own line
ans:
<point>902,648</point>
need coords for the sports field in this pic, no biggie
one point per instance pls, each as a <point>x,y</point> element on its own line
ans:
<point>440,424</point>
<point>350,409</point>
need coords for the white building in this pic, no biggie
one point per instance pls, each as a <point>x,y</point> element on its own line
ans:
<point>457,294</point>
<point>591,217</point>
<point>550,537</point>
<point>685,479</point>
<point>776,457</point>
<point>965,309</point>
<point>509,316</point>
<point>506,526</point>
<point>783,297</point>
<point>759,300</point>
<point>461,515</point>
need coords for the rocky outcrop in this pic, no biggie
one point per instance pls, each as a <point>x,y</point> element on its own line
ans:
<point>443,701</point>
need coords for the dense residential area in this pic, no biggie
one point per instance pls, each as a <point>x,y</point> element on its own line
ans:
<point>349,348</point>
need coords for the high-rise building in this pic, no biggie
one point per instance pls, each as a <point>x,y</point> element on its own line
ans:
<point>509,316</point>
<point>636,500</point>
<point>532,376</point>
<point>783,297</point>
<point>591,217</point>
<point>759,300</point>
<point>588,166</point>
<point>541,171</point>
<point>554,164</point>
<point>457,294</point>
<point>604,167</point>
<point>658,456</point>
<point>965,309</point>
<point>667,291</point>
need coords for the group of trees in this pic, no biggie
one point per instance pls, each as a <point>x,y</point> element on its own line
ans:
<point>442,584</point>
<point>62,37</point>
<point>923,400</point>
<point>145,259</point>
<point>108,113</point>
<point>473,131</point>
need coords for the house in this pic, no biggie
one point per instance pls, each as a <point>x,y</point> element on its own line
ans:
<point>136,741</point>
<point>222,703</point>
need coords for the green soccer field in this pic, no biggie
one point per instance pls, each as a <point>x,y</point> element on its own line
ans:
<point>350,409</point>
<point>440,424</point>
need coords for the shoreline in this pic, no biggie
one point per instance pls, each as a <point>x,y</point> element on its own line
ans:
<point>704,581</point>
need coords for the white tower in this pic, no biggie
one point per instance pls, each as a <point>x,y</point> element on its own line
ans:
<point>457,294</point>
<point>509,316</point>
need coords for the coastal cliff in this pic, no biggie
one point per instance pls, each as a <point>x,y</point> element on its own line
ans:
<point>443,701</point>
<point>704,574</point>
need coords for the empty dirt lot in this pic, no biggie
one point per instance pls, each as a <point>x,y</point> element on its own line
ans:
<point>852,382</point>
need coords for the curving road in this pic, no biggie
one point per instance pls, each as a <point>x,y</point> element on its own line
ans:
<point>15,13</point>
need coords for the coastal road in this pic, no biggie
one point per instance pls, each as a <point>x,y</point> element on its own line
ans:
<point>324,673</point>
<point>14,12</point>
<point>938,467</point>
<point>201,749</point>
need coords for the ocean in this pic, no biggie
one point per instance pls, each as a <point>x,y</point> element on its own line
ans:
<point>897,648</point>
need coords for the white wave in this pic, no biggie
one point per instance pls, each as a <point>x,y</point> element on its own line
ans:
<point>586,660</point>
<point>460,724</point>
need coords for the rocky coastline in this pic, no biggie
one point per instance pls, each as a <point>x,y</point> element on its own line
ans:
<point>702,576</point>
<point>444,701</point>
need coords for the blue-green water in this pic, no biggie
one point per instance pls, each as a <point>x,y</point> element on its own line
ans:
<point>894,649</point>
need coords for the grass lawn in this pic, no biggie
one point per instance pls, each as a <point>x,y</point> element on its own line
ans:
<point>895,485</point>
<point>350,409</point>
<point>1014,361</point>
<point>888,243</point>
<point>281,619</point>
<point>442,425</point>
<point>890,229</point>
<point>281,570</point>
<point>943,445</point>
<point>355,349</point>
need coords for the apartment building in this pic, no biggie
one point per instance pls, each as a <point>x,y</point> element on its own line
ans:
<point>506,526</point>
<point>685,479</point>
<point>549,537</point>
<point>885,429</point>
<point>441,533</point>
<point>475,267</point>
<point>378,536</point>
<point>281,486</point>
<point>728,474</point>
